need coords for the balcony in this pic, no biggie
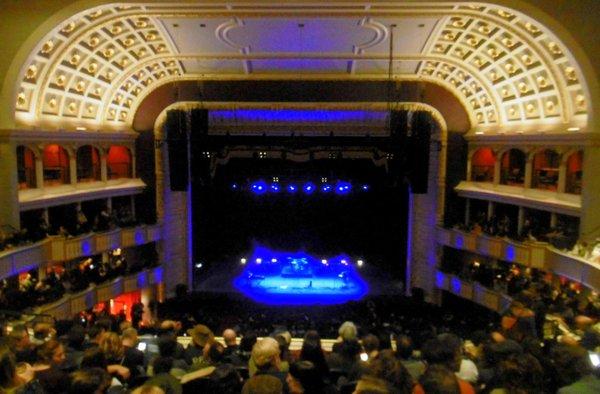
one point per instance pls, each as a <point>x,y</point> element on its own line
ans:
<point>545,200</point>
<point>20,259</point>
<point>474,292</point>
<point>71,304</point>
<point>538,255</point>
<point>71,193</point>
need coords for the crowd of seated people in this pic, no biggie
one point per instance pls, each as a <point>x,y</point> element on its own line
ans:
<point>562,236</point>
<point>29,289</point>
<point>38,229</point>
<point>108,356</point>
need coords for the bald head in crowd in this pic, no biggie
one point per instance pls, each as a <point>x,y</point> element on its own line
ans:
<point>229,337</point>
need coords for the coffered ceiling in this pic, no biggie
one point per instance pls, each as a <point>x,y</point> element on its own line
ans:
<point>96,67</point>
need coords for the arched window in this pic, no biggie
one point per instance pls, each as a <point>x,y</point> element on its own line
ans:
<point>482,165</point>
<point>512,167</point>
<point>119,162</point>
<point>26,167</point>
<point>56,165</point>
<point>574,173</point>
<point>545,170</point>
<point>88,164</point>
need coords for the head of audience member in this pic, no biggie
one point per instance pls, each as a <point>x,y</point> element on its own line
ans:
<point>440,380</point>
<point>226,379</point>
<point>370,344</point>
<point>371,385</point>
<point>265,354</point>
<point>520,374</point>
<point>43,332</point>
<point>51,353</point>
<point>348,331</point>
<point>19,337</point>
<point>443,350</point>
<point>148,389</point>
<point>167,346</point>
<point>7,367</point>
<point>213,354</point>
<point>229,337</point>
<point>94,358</point>
<point>112,347</point>
<point>76,337</point>
<point>248,341</point>
<point>571,363</point>
<point>311,348</point>
<point>129,337</point>
<point>285,334</point>
<point>201,335</point>
<point>95,333</point>
<point>263,384</point>
<point>304,377</point>
<point>169,327</point>
<point>162,364</point>
<point>387,367</point>
<point>284,352</point>
<point>89,381</point>
<point>404,347</point>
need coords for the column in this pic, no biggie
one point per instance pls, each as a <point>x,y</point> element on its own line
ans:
<point>39,172</point>
<point>562,176</point>
<point>72,168</point>
<point>520,220</point>
<point>553,219</point>
<point>9,185</point>
<point>528,170</point>
<point>467,211</point>
<point>497,167</point>
<point>589,227</point>
<point>103,167</point>
<point>491,209</point>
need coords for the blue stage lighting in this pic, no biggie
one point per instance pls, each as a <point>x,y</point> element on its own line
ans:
<point>309,188</point>
<point>275,187</point>
<point>234,186</point>
<point>326,188</point>
<point>298,278</point>
<point>343,187</point>
<point>259,187</point>
<point>292,188</point>
<point>365,187</point>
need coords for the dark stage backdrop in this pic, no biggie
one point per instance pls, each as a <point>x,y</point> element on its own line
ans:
<point>363,224</point>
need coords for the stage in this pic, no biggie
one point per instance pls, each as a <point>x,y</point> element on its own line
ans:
<point>298,278</point>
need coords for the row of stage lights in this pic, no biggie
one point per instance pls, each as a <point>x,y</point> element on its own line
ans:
<point>340,187</point>
<point>259,261</point>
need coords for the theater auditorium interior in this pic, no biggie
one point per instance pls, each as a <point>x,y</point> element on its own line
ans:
<point>300,197</point>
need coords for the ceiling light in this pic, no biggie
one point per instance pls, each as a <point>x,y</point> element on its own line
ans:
<point>573,129</point>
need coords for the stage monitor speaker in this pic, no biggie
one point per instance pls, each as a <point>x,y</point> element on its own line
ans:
<point>177,144</point>
<point>417,151</point>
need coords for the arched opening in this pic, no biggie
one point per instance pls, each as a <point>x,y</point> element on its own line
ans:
<point>545,170</point>
<point>26,168</point>
<point>512,167</point>
<point>119,162</point>
<point>88,164</point>
<point>56,165</point>
<point>482,165</point>
<point>574,173</point>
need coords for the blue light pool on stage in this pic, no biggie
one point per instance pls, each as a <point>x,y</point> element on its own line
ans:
<point>326,188</point>
<point>309,188</point>
<point>343,187</point>
<point>298,278</point>
<point>275,188</point>
<point>259,187</point>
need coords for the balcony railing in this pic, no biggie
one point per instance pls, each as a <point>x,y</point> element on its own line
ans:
<point>71,304</point>
<point>24,258</point>
<point>538,255</point>
<point>472,291</point>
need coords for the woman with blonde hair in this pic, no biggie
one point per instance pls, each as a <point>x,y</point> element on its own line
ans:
<point>112,346</point>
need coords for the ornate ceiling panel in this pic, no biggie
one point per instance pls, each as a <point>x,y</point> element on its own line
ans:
<point>96,67</point>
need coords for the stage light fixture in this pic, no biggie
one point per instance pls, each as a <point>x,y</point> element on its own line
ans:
<point>342,187</point>
<point>326,188</point>
<point>324,261</point>
<point>92,266</point>
<point>344,262</point>
<point>309,188</point>
<point>259,187</point>
<point>273,260</point>
<point>275,187</point>
<point>292,188</point>
<point>360,263</point>
<point>258,260</point>
<point>198,265</point>
<point>364,357</point>
<point>365,187</point>
<point>234,186</point>
<point>243,261</point>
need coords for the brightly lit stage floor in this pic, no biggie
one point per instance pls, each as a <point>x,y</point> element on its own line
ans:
<point>280,280</point>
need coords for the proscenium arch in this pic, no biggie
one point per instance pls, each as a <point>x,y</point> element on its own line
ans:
<point>529,7</point>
